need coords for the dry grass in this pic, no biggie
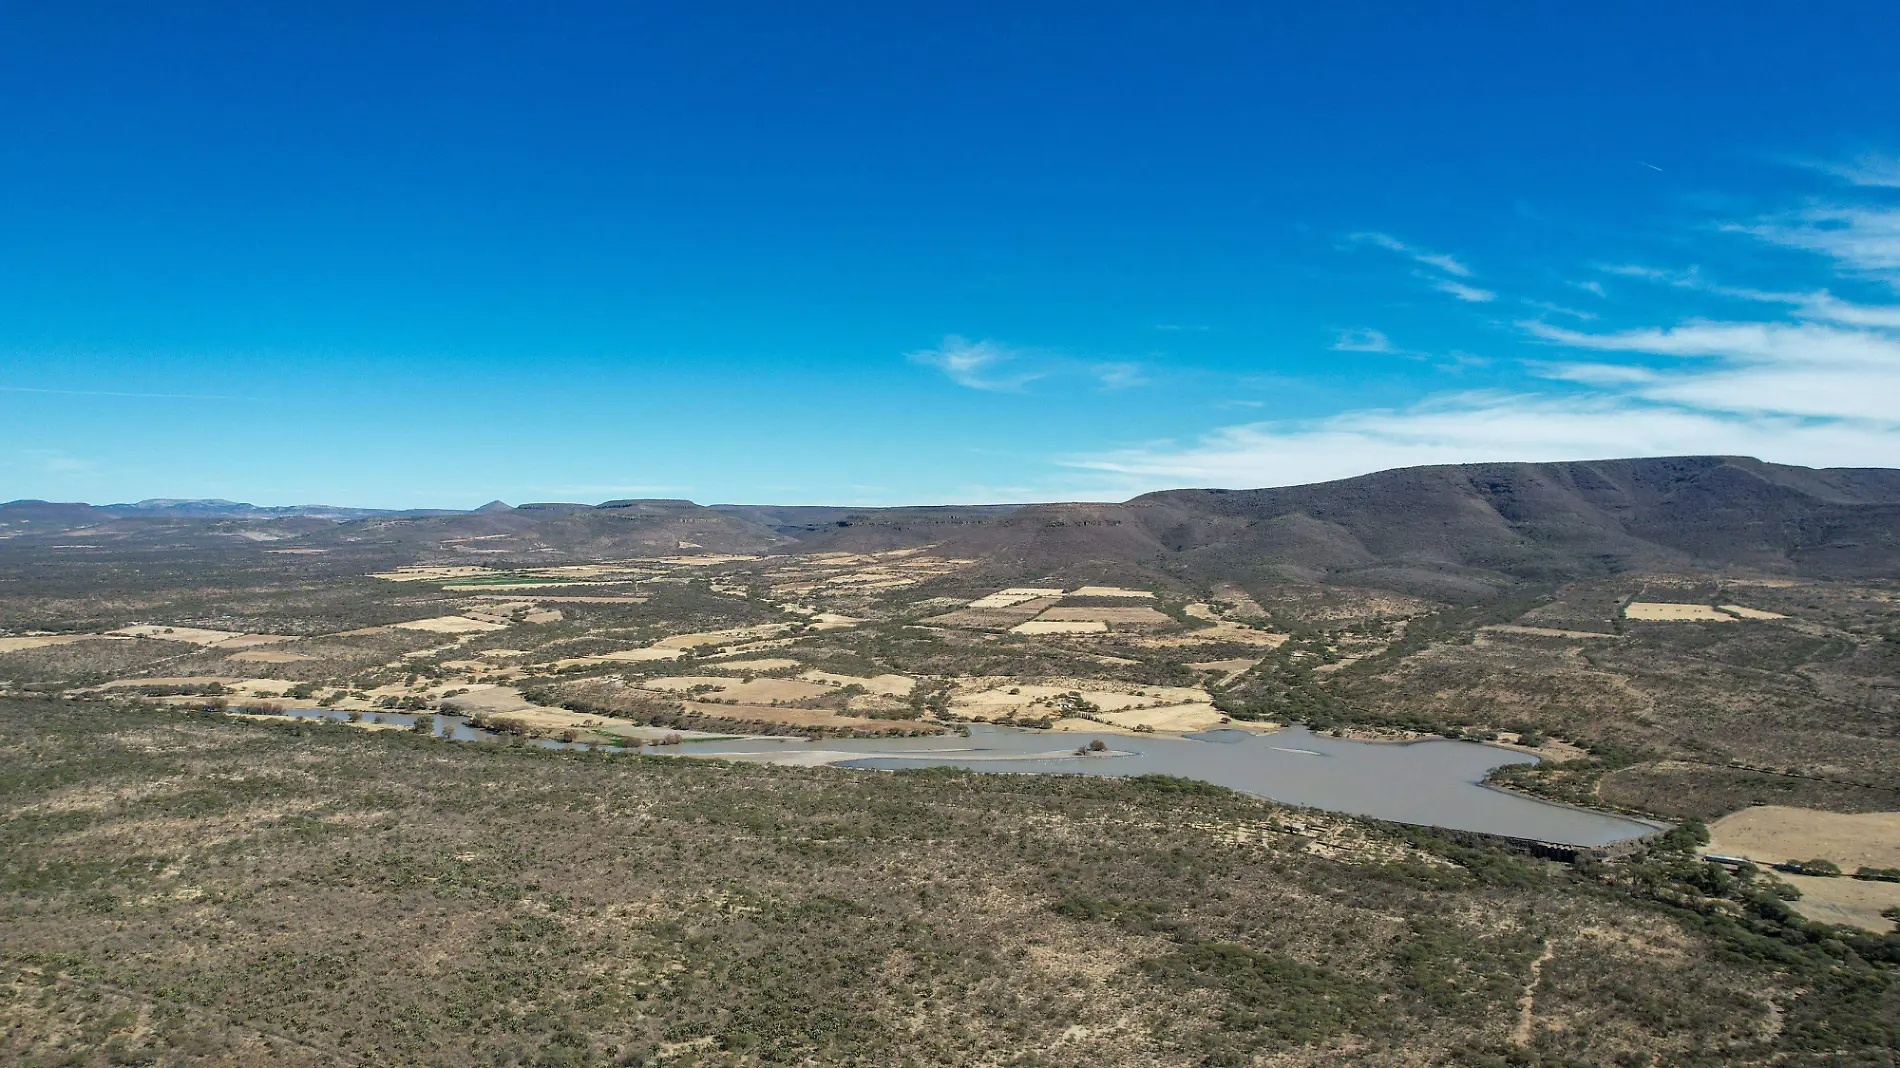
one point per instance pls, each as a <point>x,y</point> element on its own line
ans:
<point>1855,902</point>
<point>1775,833</point>
<point>888,685</point>
<point>42,641</point>
<point>1178,718</point>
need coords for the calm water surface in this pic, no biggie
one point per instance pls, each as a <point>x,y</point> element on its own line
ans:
<point>1436,782</point>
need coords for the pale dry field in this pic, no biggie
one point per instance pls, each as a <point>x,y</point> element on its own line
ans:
<point>229,639</point>
<point>1749,613</point>
<point>562,598</point>
<point>991,697</point>
<point>1049,626</point>
<point>721,637</point>
<point>768,663</point>
<point>788,717</point>
<point>1776,833</point>
<point>425,574</point>
<point>269,656</point>
<point>1013,596</point>
<point>888,685</point>
<point>1110,591</point>
<point>1184,719</point>
<point>451,625</point>
<point>1141,616</point>
<point>758,691</point>
<point>1661,611</point>
<point>1840,900</point>
<point>41,641</point>
<point>623,656</point>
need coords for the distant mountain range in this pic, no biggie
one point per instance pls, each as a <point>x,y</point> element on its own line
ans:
<point>1453,531</point>
<point>211,508</point>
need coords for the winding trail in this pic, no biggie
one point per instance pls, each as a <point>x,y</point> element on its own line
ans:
<point>1521,1034</point>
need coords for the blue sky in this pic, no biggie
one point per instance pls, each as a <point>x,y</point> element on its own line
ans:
<point>394,255</point>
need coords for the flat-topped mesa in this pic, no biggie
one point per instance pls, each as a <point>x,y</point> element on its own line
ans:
<point>657,504</point>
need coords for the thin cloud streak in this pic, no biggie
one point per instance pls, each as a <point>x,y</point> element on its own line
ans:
<point>997,368</point>
<point>1464,292</point>
<point>1439,260</point>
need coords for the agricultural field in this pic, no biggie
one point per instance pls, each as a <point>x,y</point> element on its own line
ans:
<point>181,851</point>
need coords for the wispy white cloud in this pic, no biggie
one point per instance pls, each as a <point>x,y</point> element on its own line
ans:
<point>1802,369</point>
<point>998,368</point>
<point>1807,344</point>
<point>1447,264</point>
<point>1817,304</point>
<point>1794,375</point>
<point>1869,170</point>
<point>1479,428</point>
<point>983,365</point>
<point>1364,339</point>
<point>1861,238</point>
<point>1180,328</point>
<point>1559,309</point>
<point>1464,292</point>
<point>1118,375</point>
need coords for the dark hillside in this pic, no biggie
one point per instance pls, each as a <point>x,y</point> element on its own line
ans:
<point>1461,531</point>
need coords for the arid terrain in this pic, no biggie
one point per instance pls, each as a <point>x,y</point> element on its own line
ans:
<point>199,871</point>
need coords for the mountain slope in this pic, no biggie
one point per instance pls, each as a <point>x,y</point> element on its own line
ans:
<point>1465,530</point>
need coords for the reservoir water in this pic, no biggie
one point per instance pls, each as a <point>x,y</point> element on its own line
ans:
<point>1437,782</point>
